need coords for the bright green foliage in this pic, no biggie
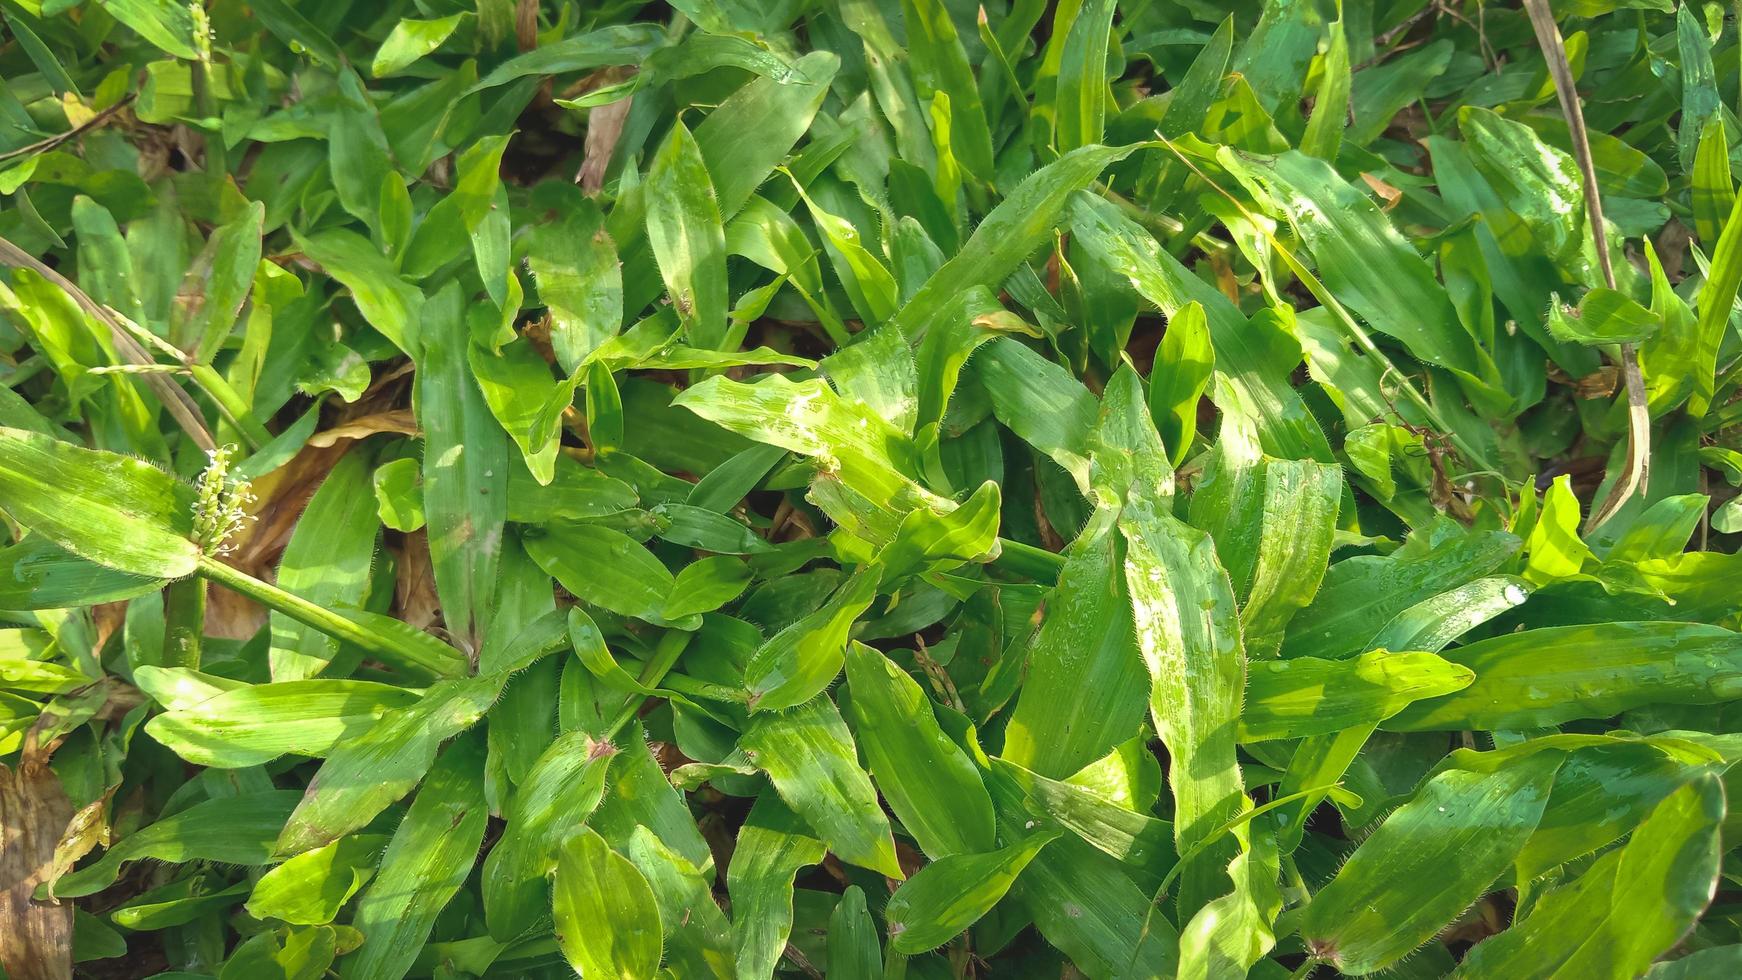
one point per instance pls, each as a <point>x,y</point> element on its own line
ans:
<point>737,489</point>
<point>606,917</point>
<point>953,892</point>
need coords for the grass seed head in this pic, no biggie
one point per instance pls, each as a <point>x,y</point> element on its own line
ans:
<point>221,507</point>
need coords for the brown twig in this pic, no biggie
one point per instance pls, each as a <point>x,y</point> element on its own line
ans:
<point>798,959</point>
<point>1438,8</point>
<point>1382,43</point>
<point>1637,474</point>
<point>1404,26</point>
<point>44,145</point>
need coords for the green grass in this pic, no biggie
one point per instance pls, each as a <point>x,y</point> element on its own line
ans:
<point>869,489</point>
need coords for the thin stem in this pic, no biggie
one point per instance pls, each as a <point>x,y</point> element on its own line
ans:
<point>665,655</point>
<point>146,338</point>
<point>1222,831</point>
<point>1354,330</point>
<point>26,369</point>
<point>1637,475</point>
<point>894,962</point>
<point>1028,561</point>
<point>1163,227</point>
<point>137,369</point>
<point>296,607</point>
<point>1427,114</point>
<point>184,622</point>
<point>179,404</point>
<point>236,411</point>
<point>216,162</point>
<point>1204,844</point>
<point>1295,881</point>
<point>686,685</point>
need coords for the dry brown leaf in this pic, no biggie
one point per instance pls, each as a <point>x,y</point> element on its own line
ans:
<point>1672,248</point>
<point>1600,383</point>
<point>36,938</point>
<point>1225,279</point>
<point>1391,195</point>
<point>383,389</point>
<point>279,500</point>
<point>526,25</point>
<point>85,831</point>
<point>280,497</point>
<point>604,127</point>
<point>232,616</point>
<point>414,593</point>
<point>105,620</point>
<point>399,420</point>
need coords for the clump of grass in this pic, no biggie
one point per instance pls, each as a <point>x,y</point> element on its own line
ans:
<point>1123,490</point>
